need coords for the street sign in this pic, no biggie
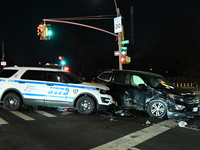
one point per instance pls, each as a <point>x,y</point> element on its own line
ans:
<point>123,52</point>
<point>116,53</point>
<point>118,24</point>
<point>123,48</point>
<point>125,42</point>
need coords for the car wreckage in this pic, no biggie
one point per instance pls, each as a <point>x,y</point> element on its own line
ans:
<point>150,92</point>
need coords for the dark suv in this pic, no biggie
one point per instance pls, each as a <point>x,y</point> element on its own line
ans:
<point>149,92</point>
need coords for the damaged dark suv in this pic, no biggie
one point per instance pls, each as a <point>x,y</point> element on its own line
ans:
<point>149,92</point>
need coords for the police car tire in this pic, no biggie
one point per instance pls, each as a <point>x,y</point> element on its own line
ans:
<point>85,105</point>
<point>12,102</point>
<point>157,109</point>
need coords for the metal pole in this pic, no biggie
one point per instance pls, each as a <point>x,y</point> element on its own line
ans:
<point>132,25</point>
<point>3,55</point>
<point>119,37</point>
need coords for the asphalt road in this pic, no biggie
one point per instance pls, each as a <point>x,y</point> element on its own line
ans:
<point>49,129</point>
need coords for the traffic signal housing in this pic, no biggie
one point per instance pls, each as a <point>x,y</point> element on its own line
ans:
<point>62,60</point>
<point>125,59</point>
<point>40,31</point>
<point>44,31</point>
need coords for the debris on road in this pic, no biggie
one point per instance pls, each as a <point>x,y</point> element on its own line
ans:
<point>182,124</point>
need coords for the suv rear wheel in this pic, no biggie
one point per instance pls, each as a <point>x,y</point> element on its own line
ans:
<point>12,102</point>
<point>85,105</point>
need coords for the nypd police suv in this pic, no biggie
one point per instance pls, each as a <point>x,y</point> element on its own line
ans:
<point>52,88</point>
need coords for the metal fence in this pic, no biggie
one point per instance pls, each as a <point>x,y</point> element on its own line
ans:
<point>186,82</point>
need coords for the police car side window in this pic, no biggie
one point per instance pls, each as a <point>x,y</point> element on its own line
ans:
<point>7,73</point>
<point>32,75</point>
<point>55,77</point>
<point>51,76</point>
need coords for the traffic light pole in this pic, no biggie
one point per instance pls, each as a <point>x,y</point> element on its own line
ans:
<point>119,37</point>
<point>87,26</point>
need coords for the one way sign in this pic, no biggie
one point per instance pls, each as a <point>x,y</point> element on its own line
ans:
<point>116,53</point>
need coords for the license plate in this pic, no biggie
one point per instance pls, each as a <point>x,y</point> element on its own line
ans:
<point>195,109</point>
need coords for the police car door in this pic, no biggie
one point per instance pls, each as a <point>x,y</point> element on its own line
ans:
<point>32,87</point>
<point>55,90</point>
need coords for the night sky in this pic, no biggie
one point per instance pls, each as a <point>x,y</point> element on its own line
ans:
<point>79,46</point>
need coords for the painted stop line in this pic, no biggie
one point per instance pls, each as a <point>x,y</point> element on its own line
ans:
<point>131,140</point>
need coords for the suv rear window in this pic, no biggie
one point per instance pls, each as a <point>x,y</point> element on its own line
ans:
<point>7,73</point>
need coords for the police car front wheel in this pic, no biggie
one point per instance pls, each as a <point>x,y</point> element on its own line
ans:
<point>85,105</point>
<point>12,101</point>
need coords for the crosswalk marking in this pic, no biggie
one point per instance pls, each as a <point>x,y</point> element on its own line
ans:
<point>3,121</point>
<point>45,113</point>
<point>21,115</point>
<point>131,140</point>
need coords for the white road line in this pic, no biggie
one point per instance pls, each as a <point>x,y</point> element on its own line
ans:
<point>3,121</point>
<point>23,116</point>
<point>131,140</point>
<point>45,113</point>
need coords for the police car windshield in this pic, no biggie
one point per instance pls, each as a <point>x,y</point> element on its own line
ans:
<point>71,78</point>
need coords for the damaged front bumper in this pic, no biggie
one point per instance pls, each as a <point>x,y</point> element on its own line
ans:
<point>186,113</point>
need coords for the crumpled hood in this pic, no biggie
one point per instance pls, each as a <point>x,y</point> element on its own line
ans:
<point>178,91</point>
<point>181,92</point>
<point>96,85</point>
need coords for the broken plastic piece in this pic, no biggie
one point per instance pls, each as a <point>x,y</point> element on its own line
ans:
<point>182,124</point>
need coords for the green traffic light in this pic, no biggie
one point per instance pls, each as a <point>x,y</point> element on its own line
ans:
<point>62,62</point>
<point>49,33</point>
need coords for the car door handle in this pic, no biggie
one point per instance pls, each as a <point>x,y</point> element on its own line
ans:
<point>49,84</point>
<point>21,82</point>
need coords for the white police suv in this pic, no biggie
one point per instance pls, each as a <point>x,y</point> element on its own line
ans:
<point>52,88</point>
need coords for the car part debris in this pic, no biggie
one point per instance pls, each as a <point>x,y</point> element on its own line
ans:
<point>182,124</point>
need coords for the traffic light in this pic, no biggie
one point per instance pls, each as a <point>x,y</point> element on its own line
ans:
<point>44,31</point>
<point>62,62</point>
<point>48,31</point>
<point>40,31</point>
<point>60,57</point>
<point>125,59</point>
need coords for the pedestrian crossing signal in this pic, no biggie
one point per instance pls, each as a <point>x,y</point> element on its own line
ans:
<point>125,59</point>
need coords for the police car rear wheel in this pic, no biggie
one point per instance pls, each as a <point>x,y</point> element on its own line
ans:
<point>85,105</point>
<point>12,101</point>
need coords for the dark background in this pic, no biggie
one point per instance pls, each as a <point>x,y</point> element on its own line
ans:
<point>166,35</point>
